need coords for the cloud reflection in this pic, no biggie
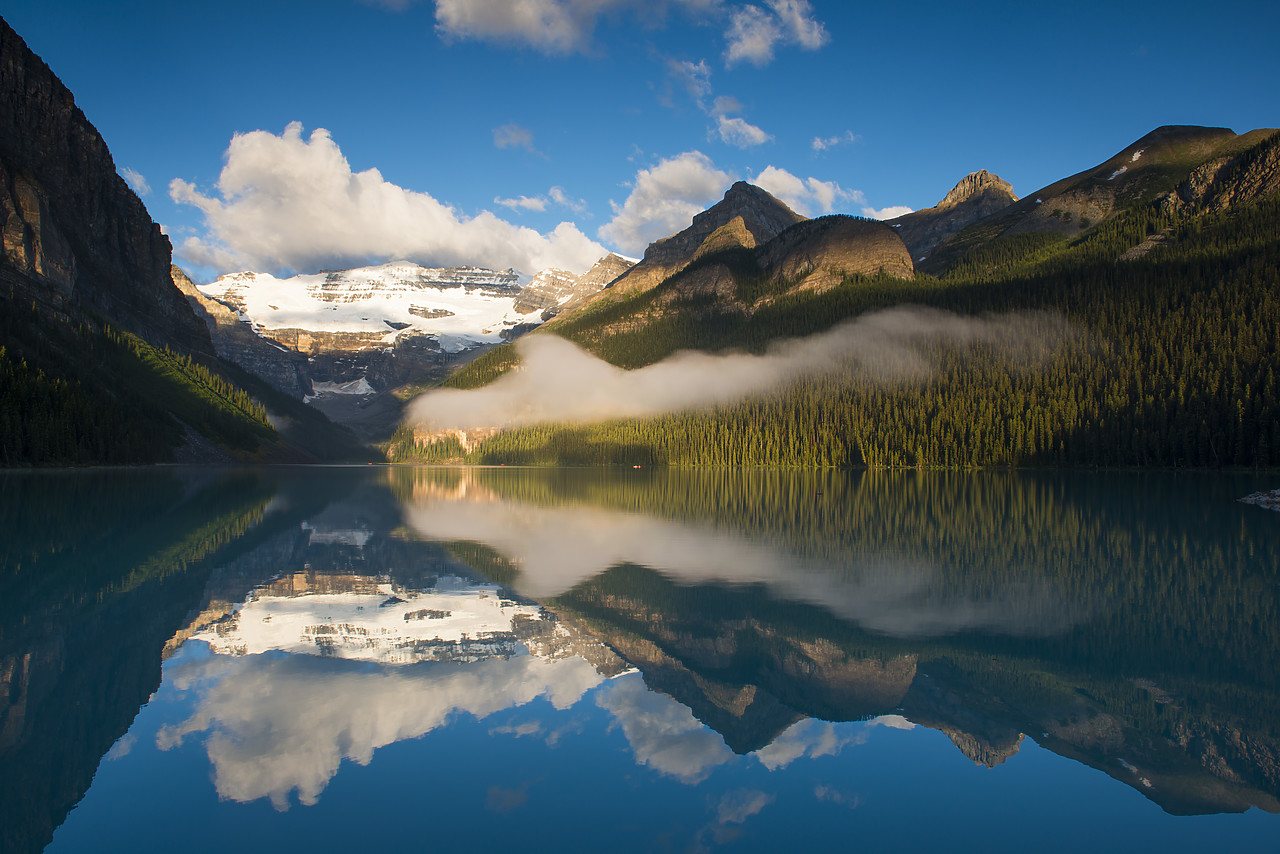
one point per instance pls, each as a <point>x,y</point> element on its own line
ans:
<point>276,724</point>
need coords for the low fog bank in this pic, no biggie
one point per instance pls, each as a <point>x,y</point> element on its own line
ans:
<point>560,382</point>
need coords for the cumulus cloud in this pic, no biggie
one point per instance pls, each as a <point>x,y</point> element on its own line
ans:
<point>513,136</point>
<point>822,143</point>
<point>289,203</point>
<point>886,213</point>
<point>549,26</point>
<point>805,196</point>
<point>740,133</point>
<point>136,181</point>
<point>754,32</point>
<point>663,200</point>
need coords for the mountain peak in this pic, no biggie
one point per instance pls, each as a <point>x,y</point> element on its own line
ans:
<point>762,217</point>
<point>975,184</point>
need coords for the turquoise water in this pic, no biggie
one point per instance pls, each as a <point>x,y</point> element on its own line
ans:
<point>637,660</point>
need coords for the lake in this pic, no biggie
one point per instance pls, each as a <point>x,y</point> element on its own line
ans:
<point>488,659</point>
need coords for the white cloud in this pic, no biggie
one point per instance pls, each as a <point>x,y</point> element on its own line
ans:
<point>513,136</point>
<point>808,737</point>
<point>549,26</point>
<point>560,197</point>
<point>289,203</point>
<point>726,104</point>
<point>805,196</point>
<point>136,181</point>
<point>740,133</point>
<point>693,77</point>
<point>663,734</point>
<point>752,35</point>
<point>523,203</point>
<point>754,32</point>
<point>737,807</point>
<point>822,143</point>
<point>274,725</point>
<point>664,200</point>
<point>555,195</point>
<point>886,213</point>
<point>798,24</point>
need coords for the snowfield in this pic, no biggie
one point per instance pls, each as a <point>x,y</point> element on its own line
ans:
<point>460,306</point>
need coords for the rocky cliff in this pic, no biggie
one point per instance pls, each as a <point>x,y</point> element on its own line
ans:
<point>746,217</point>
<point>977,195</point>
<point>1178,167</point>
<point>555,291</point>
<point>76,238</point>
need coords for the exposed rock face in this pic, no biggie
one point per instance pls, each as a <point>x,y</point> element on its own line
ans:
<point>554,291</point>
<point>819,253</point>
<point>1236,177</point>
<point>1176,166</point>
<point>235,340</point>
<point>977,195</point>
<point>75,236</point>
<point>753,217</point>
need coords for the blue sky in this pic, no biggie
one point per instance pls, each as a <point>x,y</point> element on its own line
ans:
<point>312,134</point>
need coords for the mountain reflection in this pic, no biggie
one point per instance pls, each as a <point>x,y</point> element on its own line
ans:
<point>558,548</point>
<point>715,620</point>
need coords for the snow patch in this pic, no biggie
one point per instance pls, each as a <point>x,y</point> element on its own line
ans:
<point>1136,155</point>
<point>360,386</point>
<point>1116,174</point>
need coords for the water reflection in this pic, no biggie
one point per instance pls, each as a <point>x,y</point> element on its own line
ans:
<point>558,548</point>
<point>721,625</point>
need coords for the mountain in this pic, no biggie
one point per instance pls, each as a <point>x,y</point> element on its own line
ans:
<point>738,259</point>
<point>555,291</point>
<point>977,195</point>
<point>346,340</point>
<point>1177,168</point>
<point>746,217</point>
<point>76,238</point>
<point>1144,289</point>
<point>102,358</point>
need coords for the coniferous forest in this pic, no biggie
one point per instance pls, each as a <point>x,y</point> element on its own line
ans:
<point>1169,360</point>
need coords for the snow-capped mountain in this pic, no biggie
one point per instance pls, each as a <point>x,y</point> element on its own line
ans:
<point>461,307</point>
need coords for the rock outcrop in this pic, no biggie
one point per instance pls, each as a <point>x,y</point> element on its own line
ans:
<point>977,195</point>
<point>747,216</point>
<point>1176,166</point>
<point>555,291</point>
<point>235,340</point>
<point>76,238</point>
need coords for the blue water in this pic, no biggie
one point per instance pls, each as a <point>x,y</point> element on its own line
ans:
<point>455,660</point>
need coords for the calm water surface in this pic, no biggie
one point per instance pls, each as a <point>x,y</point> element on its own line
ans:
<point>637,660</point>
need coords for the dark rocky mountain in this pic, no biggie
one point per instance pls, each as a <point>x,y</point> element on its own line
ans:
<point>977,195</point>
<point>103,358</point>
<point>235,340</point>
<point>76,238</point>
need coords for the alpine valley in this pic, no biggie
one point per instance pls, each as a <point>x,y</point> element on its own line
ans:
<point>1147,283</point>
